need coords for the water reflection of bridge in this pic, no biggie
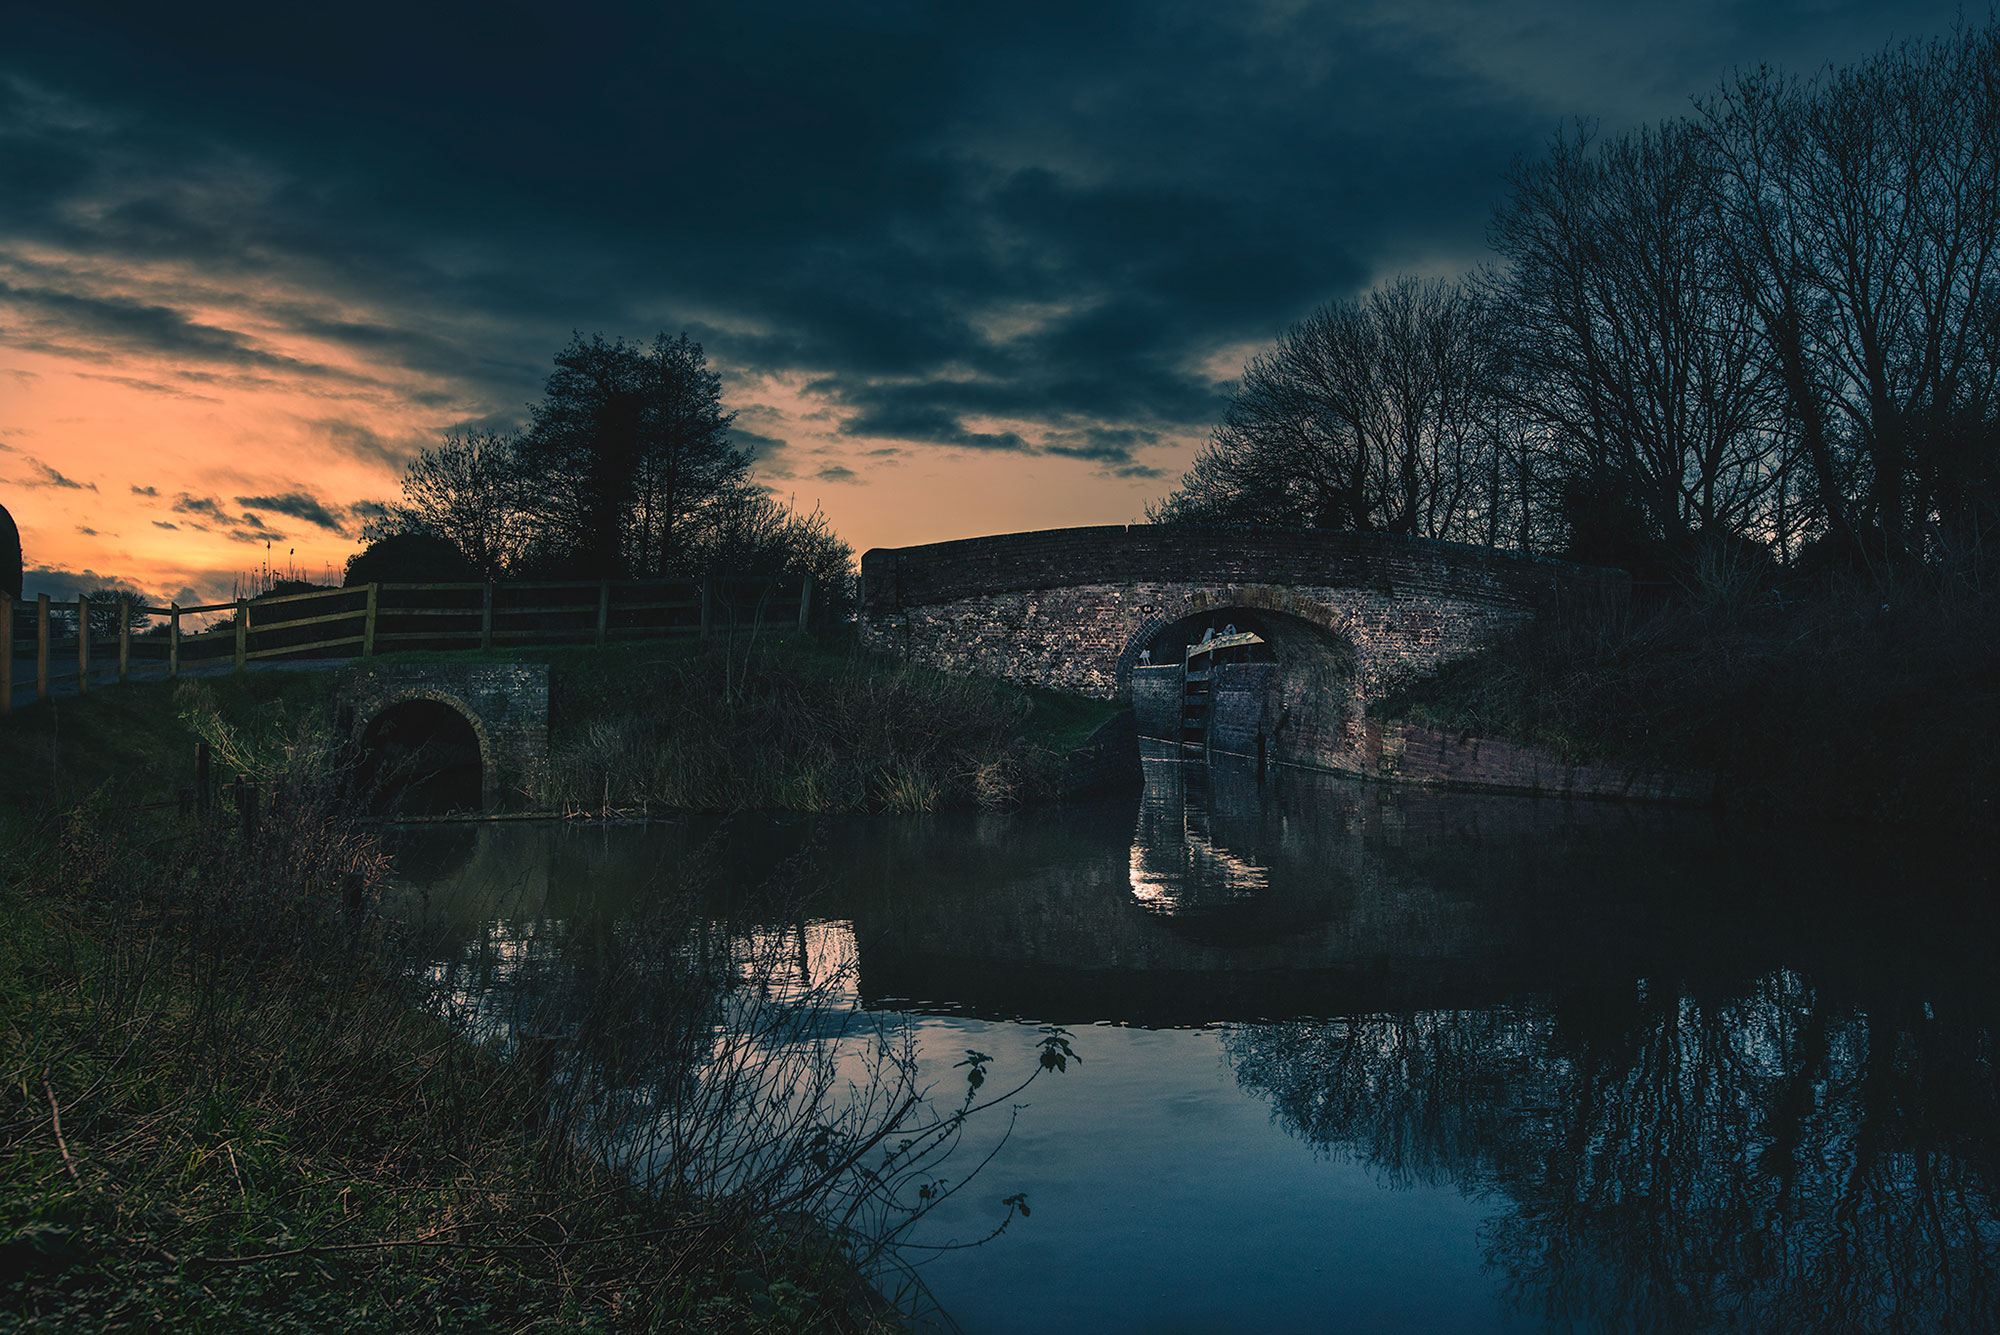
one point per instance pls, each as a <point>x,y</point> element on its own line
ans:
<point>1230,900</point>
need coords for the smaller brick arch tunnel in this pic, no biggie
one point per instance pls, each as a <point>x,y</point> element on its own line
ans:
<point>449,736</point>
<point>425,756</point>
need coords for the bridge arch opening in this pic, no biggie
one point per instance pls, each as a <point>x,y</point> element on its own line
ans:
<point>423,757</point>
<point>1245,680</point>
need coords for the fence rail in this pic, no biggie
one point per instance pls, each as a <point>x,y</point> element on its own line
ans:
<point>359,620</point>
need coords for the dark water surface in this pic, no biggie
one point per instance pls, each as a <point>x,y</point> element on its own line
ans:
<point>1360,1058</point>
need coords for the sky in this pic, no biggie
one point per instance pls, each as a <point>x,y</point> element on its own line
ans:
<point>964,268</point>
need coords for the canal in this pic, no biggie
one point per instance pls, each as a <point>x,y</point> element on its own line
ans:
<point>1359,1057</point>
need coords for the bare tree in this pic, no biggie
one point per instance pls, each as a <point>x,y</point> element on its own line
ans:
<point>1861,219</point>
<point>464,491</point>
<point>1640,362</point>
<point>1371,414</point>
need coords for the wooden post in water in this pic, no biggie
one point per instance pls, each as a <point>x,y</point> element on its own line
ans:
<point>603,610</point>
<point>173,641</point>
<point>41,646</point>
<point>368,624</point>
<point>805,599</point>
<point>124,637</point>
<point>707,602</point>
<point>7,660</point>
<point>82,644</point>
<point>242,631</point>
<point>486,617</point>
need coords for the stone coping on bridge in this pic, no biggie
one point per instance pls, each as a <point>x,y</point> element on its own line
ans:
<point>1115,554</point>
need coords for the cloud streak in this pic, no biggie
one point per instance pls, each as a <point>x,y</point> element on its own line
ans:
<point>41,475</point>
<point>299,505</point>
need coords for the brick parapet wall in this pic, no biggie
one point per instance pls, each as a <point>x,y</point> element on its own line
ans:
<point>1085,639</point>
<point>894,579</point>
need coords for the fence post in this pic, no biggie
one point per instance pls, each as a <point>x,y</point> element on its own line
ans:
<point>805,599</point>
<point>242,631</point>
<point>486,617</point>
<point>124,637</point>
<point>41,646</point>
<point>246,806</point>
<point>173,641</point>
<point>603,610</point>
<point>707,600</point>
<point>368,625</point>
<point>7,660</point>
<point>82,644</point>
<point>202,790</point>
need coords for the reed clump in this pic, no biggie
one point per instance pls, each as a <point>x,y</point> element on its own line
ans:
<point>772,725</point>
<point>241,1090</point>
<point>1874,700</point>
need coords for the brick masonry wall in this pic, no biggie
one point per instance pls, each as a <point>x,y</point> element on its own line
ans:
<point>1156,699</point>
<point>1414,753</point>
<point>1240,705</point>
<point>1086,638</point>
<point>506,704</point>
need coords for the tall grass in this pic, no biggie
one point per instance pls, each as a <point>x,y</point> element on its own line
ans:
<point>1873,700</point>
<point>761,725</point>
<point>228,1100</point>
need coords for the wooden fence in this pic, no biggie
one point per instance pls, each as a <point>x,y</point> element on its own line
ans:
<point>365,619</point>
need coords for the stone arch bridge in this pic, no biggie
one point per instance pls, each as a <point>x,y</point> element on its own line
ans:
<point>1110,611</point>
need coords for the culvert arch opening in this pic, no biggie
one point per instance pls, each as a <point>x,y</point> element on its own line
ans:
<point>422,757</point>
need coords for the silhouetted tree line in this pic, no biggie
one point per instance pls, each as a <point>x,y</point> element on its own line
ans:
<point>626,469</point>
<point>1773,322</point>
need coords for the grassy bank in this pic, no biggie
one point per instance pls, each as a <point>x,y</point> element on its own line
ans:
<point>803,726</point>
<point>229,1102</point>
<point>1876,702</point>
<point>135,741</point>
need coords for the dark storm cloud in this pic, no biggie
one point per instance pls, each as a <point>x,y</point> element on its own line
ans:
<point>950,216</point>
<point>299,505</point>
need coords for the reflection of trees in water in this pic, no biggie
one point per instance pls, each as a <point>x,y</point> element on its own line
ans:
<point>1772,1158</point>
